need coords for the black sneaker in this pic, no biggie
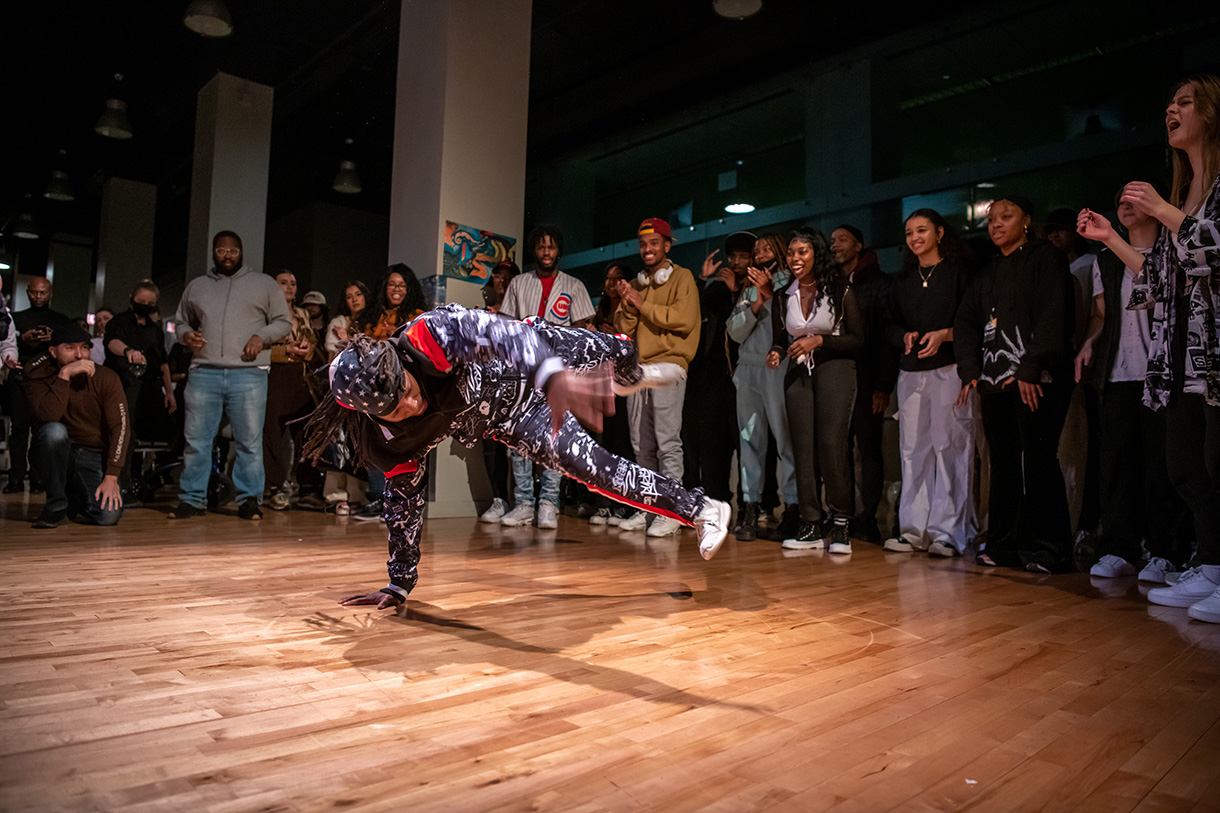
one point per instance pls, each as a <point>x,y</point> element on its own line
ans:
<point>747,529</point>
<point>370,512</point>
<point>837,541</point>
<point>186,511</point>
<point>14,487</point>
<point>50,519</point>
<point>249,509</point>
<point>866,529</point>
<point>808,537</point>
<point>789,524</point>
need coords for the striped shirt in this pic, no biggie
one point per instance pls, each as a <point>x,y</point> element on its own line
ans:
<point>568,303</point>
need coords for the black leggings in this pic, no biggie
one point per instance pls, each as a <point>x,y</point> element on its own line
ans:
<point>1192,456</point>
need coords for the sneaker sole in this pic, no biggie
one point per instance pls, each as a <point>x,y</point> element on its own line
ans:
<point>841,549</point>
<point>708,549</point>
<point>1200,614</point>
<point>1174,601</point>
<point>796,544</point>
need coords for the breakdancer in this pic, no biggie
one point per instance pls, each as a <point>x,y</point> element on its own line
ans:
<point>466,374</point>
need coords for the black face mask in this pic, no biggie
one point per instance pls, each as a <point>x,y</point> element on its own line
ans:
<point>142,310</point>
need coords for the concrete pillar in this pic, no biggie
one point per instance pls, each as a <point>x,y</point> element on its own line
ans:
<point>229,179</point>
<point>459,155</point>
<point>124,240</point>
<point>838,135</point>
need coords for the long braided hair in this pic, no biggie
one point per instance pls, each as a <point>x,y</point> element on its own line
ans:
<point>331,421</point>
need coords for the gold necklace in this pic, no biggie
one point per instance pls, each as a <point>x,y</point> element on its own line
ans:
<point>931,271</point>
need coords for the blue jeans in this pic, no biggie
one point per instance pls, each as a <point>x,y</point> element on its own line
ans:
<point>523,476</point>
<point>241,394</point>
<point>70,475</point>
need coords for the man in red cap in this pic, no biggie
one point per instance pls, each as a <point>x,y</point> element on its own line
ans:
<point>660,312</point>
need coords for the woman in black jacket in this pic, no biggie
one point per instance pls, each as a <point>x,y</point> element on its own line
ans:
<point>1012,341</point>
<point>817,324</point>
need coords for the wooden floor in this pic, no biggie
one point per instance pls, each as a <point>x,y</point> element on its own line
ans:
<point>205,666</point>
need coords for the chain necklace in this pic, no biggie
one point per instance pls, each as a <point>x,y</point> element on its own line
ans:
<point>928,276</point>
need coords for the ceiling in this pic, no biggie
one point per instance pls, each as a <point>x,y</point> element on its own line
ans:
<point>599,69</point>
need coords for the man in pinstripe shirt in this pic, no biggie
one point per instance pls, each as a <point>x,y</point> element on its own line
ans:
<point>561,299</point>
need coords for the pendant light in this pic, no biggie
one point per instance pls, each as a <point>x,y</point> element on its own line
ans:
<point>208,18</point>
<point>346,180</point>
<point>113,123</point>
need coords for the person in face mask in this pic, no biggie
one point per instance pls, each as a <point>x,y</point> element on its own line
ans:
<point>135,349</point>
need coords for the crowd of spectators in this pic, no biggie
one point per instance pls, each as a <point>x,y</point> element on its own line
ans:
<point>796,349</point>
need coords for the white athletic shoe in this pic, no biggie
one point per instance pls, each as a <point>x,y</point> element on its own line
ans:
<point>1193,587</point>
<point>635,522</point>
<point>600,517</point>
<point>712,524</point>
<point>1157,571</point>
<point>944,549</point>
<point>1112,567</point>
<point>521,515</point>
<point>1175,577</point>
<point>661,374</point>
<point>900,544</point>
<point>1206,610</point>
<point>546,516</point>
<point>664,526</point>
<point>494,514</point>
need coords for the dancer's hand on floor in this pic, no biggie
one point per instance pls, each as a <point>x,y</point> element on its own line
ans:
<point>382,600</point>
<point>588,396</point>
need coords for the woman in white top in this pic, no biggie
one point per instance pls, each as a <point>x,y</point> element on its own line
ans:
<point>817,324</point>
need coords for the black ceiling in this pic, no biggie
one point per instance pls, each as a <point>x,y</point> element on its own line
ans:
<point>597,68</point>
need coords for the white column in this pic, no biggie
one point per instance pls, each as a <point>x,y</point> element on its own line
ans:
<point>229,179</point>
<point>459,155</point>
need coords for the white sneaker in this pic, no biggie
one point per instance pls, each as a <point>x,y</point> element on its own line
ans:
<point>664,526</point>
<point>600,517</point>
<point>944,549</point>
<point>521,515</point>
<point>498,509</point>
<point>1207,610</point>
<point>1193,587</point>
<point>1112,567</point>
<point>635,522</point>
<point>900,544</point>
<point>1175,577</point>
<point>1157,571</point>
<point>808,537</point>
<point>547,518</point>
<point>712,524</point>
<point>661,374</point>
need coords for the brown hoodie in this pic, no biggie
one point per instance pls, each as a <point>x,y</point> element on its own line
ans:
<point>92,408</point>
<point>666,326</point>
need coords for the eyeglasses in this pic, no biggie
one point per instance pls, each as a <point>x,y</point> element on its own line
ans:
<point>226,252</point>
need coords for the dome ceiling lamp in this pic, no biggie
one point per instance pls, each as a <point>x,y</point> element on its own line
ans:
<point>208,18</point>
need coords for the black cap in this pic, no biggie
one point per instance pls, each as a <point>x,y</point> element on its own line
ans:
<point>1064,219</point>
<point>740,241</point>
<point>69,334</point>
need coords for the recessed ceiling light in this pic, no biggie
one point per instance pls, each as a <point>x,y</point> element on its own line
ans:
<point>737,9</point>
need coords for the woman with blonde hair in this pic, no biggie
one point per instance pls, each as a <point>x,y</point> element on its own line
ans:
<point>1180,281</point>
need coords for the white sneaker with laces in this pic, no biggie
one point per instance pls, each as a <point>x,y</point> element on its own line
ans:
<point>1207,610</point>
<point>900,544</point>
<point>497,511</point>
<point>547,516</point>
<point>661,374</point>
<point>712,525</point>
<point>1193,587</point>
<point>600,517</point>
<point>1157,571</point>
<point>664,526</point>
<point>635,522</point>
<point>521,515</point>
<point>943,549</point>
<point>1174,578</point>
<point>1112,567</point>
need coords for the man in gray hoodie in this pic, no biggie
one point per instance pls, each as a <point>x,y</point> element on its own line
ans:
<point>229,317</point>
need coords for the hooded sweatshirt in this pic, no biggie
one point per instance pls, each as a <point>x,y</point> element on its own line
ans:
<point>91,407</point>
<point>1016,320</point>
<point>228,311</point>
